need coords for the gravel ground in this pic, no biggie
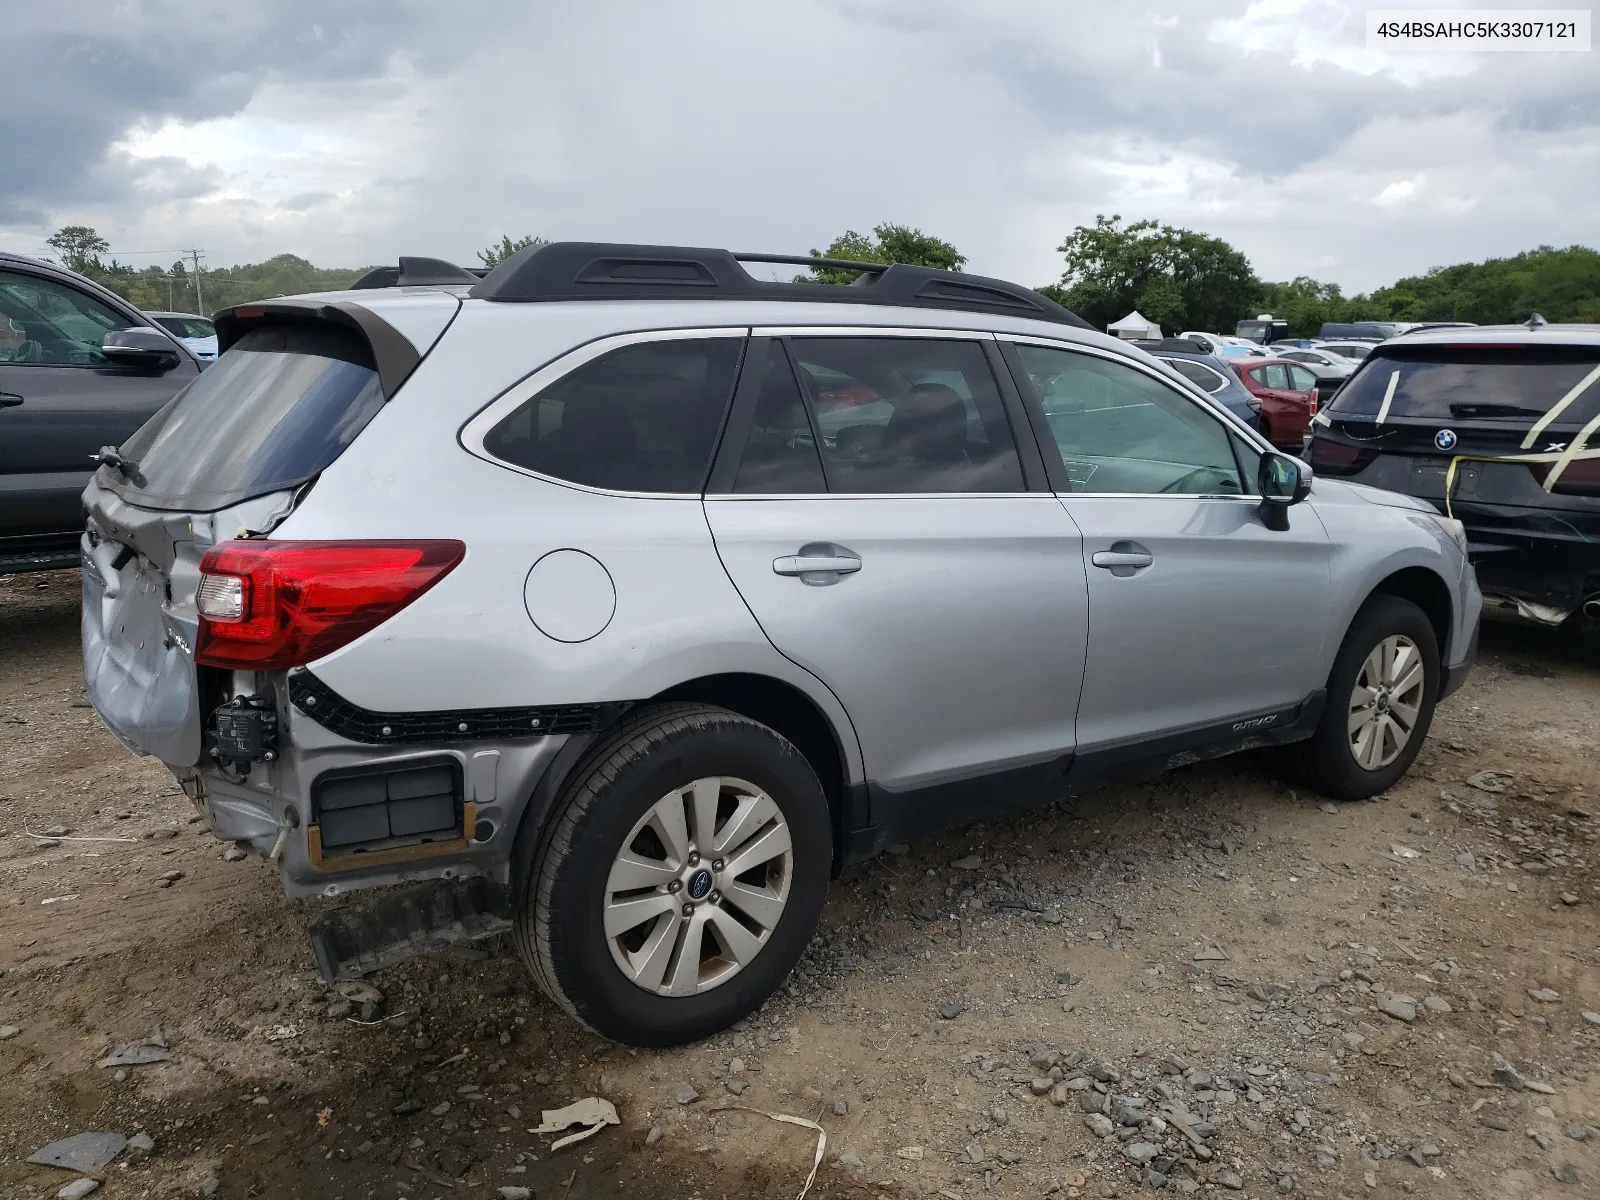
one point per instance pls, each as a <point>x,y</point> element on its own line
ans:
<point>1209,983</point>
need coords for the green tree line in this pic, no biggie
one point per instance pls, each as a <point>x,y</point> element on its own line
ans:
<point>1180,278</point>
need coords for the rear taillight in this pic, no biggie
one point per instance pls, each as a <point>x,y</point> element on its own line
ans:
<point>1337,458</point>
<point>1581,477</point>
<point>267,605</point>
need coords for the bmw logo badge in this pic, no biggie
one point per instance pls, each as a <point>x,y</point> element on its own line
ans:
<point>699,884</point>
<point>1445,439</point>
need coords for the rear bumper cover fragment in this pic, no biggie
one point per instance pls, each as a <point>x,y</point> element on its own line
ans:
<point>360,938</point>
<point>339,716</point>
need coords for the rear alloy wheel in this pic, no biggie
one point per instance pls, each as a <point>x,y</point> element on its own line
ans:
<point>699,885</point>
<point>1380,698</point>
<point>681,877</point>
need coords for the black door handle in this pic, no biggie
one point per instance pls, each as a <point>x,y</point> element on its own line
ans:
<point>7,400</point>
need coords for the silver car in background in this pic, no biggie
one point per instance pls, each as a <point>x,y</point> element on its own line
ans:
<point>621,599</point>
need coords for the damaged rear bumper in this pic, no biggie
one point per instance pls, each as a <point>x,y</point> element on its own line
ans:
<point>1534,565</point>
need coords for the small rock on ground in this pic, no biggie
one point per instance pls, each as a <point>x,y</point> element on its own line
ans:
<point>1398,1006</point>
<point>516,1193</point>
<point>686,1094</point>
<point>78,1189</point>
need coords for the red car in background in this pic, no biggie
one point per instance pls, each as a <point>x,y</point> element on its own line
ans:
<point>1288,395</point>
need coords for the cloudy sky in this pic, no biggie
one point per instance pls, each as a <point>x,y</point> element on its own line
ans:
<point>351,131</point>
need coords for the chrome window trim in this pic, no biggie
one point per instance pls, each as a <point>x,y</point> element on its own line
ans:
<point>477,427</point>
<point>1059,496</point>
<point>894,331</point>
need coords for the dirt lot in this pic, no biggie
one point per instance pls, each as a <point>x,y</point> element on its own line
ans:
<point>1210,952</point>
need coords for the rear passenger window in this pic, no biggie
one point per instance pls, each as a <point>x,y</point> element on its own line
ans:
<point>643,418</point>
<point>780,456</point>
<point>907,415</point>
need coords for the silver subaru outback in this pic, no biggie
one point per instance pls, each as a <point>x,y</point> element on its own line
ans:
<point>619,599</point>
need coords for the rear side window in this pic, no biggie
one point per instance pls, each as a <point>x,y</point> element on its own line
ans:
<point>1197,373</point>
<point>642,418</point>
<point>780,455</point>
<point>1514,385</point>
<point>277,408</point>
<point>907,415</point>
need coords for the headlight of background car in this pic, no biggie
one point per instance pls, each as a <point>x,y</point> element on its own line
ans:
<point>1454,530</point>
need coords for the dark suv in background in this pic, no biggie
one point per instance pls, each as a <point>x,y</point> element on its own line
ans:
<point>1498,427</point>
<point>80,369</point>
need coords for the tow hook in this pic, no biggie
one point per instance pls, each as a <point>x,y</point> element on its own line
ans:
<point>244,732</point>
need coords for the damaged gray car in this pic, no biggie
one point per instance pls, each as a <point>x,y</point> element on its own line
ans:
<point>619,599</point>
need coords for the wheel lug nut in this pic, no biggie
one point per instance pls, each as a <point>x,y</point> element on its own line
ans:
<point>675,886</point>
<point>715,898</point>
<point>717,866</point>
<point>694,858</point>
<point>688,910</point>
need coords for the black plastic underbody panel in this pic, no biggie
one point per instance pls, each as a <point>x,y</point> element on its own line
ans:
<point>876,818</point>
<point>337,715</point>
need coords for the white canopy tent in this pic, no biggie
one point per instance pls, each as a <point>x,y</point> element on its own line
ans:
<point>1134,326</point>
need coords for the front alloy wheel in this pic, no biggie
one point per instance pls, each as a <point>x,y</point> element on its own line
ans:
<point>698,886</point>
<point>1386,702</point>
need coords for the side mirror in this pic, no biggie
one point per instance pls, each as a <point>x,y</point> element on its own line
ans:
<point>1282,481</point>
<point>140,347</point>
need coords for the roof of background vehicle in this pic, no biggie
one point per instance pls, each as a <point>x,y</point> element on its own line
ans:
<point>1501,335</point>
<point>150,312</point>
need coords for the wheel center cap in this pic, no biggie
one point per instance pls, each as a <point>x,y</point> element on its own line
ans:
<point>1383,702</point>
<point>699,884</point>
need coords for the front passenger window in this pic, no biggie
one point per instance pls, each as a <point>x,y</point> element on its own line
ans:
<point>45,322</point>
<point>1120,430</point>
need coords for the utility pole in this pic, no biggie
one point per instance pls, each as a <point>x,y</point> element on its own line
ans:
<point>199,304</point>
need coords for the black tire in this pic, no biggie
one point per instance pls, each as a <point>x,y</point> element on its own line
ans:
<point>560,895</point>
<point>1326,762</point>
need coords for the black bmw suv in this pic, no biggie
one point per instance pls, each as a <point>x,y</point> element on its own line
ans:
<point>1500,427</point>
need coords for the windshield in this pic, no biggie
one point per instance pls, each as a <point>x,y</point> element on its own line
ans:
<point>187,327</point>
<point>1515,384</point>
<point>272,412</point>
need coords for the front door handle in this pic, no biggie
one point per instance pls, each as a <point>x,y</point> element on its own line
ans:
<point>1123,559</point>
<point>8,400</point>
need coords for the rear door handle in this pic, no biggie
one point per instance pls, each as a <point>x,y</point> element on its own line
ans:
<point>795,564</point>
<point>8,400</point>
<point>819,563</point>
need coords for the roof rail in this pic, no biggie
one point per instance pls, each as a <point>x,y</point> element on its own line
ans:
<point>606,271</point>
<point>415,272</point>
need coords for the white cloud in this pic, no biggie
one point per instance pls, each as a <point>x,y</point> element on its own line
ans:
<point>998,125</point>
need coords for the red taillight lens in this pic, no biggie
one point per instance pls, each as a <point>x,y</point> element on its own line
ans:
<point>1336,458</point>
<point>1581,477</point>
<point>267,606</point>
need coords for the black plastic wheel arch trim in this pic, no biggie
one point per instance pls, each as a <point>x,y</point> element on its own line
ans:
<point>337,715</point>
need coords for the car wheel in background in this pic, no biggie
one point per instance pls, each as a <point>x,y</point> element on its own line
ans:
<point>682,875</point>
<point>1381,695</point>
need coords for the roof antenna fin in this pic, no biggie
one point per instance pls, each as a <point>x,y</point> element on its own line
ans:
<point>1536,322</point>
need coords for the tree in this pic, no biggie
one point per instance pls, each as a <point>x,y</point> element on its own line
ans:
<point>80,248</point>
<point>1176,277</point>
<point>495,255</point>
<point>888,244</point>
